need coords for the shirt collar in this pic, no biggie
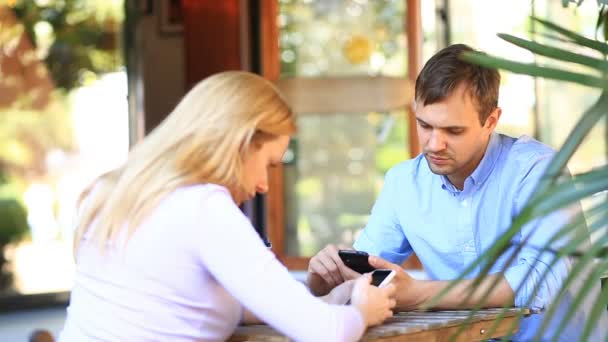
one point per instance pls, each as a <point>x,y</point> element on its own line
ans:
<point>488,161</point>
<point>484,168</point>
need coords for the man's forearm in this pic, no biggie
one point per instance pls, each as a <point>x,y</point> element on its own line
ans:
<point>460,297</point>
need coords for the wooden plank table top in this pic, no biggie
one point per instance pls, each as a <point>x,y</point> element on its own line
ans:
<point>414,326</point>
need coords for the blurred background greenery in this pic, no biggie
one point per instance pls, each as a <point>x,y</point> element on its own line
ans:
<point>52,52</point>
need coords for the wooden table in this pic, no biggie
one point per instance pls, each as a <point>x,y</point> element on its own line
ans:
<point>412,326</point>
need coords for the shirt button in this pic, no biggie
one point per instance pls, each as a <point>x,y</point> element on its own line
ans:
<point>464,203</point>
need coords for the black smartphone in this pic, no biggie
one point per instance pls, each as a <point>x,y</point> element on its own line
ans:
<point>356,260</point>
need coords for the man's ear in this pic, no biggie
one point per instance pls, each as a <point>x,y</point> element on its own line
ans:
<point>492,119</point>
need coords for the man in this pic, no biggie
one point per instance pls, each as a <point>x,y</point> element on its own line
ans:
<point>450,203</point>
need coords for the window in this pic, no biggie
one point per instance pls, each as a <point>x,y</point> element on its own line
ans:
<point>64,122</point>
<point>345,68</point>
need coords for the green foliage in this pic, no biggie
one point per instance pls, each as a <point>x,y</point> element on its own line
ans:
<point>554,191</point>
<point>78,39</point>
<point>13,221</point>
<point>26,136</point>
<point>84,37</point>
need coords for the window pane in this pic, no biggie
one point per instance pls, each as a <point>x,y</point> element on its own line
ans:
<point>64,123</point>
<point>562,104</point>
<point>342,37</point>
<point>433,27</point>
<point>559,113</point>
<point>334,172</point>
<point>336,163</point>
<point>479,30</point>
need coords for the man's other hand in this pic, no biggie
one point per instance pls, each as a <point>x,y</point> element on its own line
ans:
<point>326,270</point>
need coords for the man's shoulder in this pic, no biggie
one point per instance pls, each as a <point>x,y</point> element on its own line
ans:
<point>407,169</point>
<point>523,156</point>
<point>526,150</point>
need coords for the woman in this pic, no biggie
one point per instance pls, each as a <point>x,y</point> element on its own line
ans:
<point>163,251</point>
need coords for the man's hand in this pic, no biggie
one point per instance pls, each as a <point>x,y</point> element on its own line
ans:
<point>407,294</point>
<point>326,270</point>
<point>413,294</point>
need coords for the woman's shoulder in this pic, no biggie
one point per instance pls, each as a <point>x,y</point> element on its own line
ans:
<point>200,196</point>
<point>206,189</point>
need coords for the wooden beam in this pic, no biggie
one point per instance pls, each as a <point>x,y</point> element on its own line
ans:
<point>414,55</point>
<point>269,40</point>
<point>346,94</point>
<point>270,65</point>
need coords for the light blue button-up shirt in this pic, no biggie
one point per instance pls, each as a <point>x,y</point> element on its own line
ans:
<point>448,229</point>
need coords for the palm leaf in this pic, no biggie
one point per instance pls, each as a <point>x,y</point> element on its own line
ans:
<point>581,237</point>
<point>546,202</point>
<point>579,267</point>
<point>536,70</point>
<point>570,192</point>
<point>596,311</point>
<point>591,117</point>
<point>557,53</point>
<point>552,192</point>
<point>578,225</point>
<point>575,37</point>
<point>592,280</point>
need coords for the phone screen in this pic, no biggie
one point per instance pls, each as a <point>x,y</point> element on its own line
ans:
<point>379,275</point>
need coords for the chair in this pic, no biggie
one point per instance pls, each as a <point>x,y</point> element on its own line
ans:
<point>41,335</point>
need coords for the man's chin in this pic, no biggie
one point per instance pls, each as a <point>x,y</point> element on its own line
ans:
<point>443,170</point>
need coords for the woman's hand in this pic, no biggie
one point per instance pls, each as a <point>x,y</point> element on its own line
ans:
<point>340,294</point>
<point>375,304</point>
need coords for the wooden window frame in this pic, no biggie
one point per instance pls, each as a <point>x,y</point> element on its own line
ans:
<point>270,69</point>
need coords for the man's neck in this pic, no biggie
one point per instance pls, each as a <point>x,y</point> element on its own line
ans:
<point>458,179</point>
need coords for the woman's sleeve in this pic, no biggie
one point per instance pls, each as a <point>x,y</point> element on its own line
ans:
<point>234,254</point>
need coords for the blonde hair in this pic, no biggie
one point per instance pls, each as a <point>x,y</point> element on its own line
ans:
<point>203,140</point>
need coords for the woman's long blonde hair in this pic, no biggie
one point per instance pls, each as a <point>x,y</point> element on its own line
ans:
<point>203,140</point>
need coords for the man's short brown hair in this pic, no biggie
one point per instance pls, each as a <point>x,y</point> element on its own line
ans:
<point>445,71</point>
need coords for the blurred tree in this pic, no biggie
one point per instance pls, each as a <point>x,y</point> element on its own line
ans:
<point>80,37</point>
<point>77,40</point>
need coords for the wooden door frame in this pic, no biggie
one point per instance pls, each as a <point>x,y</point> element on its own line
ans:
<point>270,69</point>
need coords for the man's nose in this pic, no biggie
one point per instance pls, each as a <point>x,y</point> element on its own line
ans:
<point>436,142</point>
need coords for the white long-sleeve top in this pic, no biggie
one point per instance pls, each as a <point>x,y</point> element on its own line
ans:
<point>183,276</point>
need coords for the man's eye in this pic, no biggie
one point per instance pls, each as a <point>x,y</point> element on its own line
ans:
<point>456,131</point>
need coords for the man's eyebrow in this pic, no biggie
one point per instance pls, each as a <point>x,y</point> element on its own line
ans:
<point>444,127</point>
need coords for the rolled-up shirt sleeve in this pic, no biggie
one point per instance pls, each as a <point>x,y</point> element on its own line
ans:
<point>526,276</point>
